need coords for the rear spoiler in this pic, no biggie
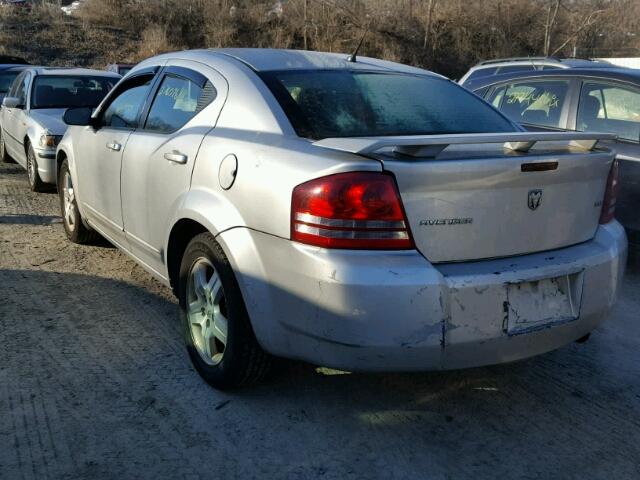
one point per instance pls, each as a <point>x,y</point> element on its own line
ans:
<point>432,145</point>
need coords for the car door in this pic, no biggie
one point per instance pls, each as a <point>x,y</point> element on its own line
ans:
<point>99,155</point>
<point>14,121</point>
<point>159,157</point>
<point>614,107</point>
<point>536,103</point>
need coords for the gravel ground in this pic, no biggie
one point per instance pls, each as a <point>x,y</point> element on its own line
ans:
<point>95,383</point>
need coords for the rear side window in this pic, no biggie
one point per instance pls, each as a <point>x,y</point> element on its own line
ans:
<point>343,103</point>
<point>178,100</point>
<point>610,108</point>
<point>538,102</point>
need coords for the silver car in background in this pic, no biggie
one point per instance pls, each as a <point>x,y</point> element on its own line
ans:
<point>500,66</point>
<point>353,213</point>
<point>31,115</point>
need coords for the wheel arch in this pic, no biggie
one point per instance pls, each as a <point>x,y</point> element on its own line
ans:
<point>182,232</point>
<point>197,211</point>
<point>26,142</point>
<point>61,156</point>
<point>30,136</point>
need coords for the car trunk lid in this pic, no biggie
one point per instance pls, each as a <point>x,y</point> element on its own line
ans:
<point>479,196</point>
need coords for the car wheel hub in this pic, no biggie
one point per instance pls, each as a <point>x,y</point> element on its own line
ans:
<point>69,202</point>
<point>30,170</point>
<point>206,311</point>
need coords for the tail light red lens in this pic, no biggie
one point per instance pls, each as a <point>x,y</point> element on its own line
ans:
<point>610,195</point>
<point>357,210</point>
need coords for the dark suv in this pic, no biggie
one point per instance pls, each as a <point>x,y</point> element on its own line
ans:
<point>590,100</point>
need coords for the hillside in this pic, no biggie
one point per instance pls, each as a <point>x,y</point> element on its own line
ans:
<point>446,36</point>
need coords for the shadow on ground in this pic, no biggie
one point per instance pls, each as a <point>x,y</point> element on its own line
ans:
<point>96,384</point>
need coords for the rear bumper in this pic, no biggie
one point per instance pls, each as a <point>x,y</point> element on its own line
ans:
<point>396,311</point>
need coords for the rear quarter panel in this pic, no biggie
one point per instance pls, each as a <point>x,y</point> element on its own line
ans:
<point>269,167</point>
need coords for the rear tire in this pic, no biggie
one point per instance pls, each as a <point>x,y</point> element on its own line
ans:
<point>74,226</point>
<point>218,334</point>
<point>35,183</point>
<point>4,155</point>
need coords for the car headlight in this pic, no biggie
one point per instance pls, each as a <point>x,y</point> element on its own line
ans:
<point>50,141</point>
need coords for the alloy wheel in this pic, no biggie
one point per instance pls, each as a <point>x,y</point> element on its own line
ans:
<point>206,311</point>
<point>69,202</point>
<point>31,171</point>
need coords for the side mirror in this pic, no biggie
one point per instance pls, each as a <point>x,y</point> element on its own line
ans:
<point>12,102</point>
<point>78,116</point>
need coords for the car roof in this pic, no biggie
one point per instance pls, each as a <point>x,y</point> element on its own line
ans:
<point>270,59</point>
<point>560,62</point>
<point>613,73</point>
<point>13,68</point>
<point>47,71</point>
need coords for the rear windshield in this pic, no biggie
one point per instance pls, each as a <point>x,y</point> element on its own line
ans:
<point>6,79</point>
<point>342,103</point>
<point>61,91</point>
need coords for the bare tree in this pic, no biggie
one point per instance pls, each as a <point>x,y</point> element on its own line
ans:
<point>427,26</point>
<point>590,20</point>
<point>552,13</point>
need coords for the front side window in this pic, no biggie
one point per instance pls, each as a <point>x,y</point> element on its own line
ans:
<point>537,102</point>
<point>609,108</point>
<point>125,107</point>
<point>63,91</point>
<point>19,88</point>
<point>178,100</point>
<point>345,103</point>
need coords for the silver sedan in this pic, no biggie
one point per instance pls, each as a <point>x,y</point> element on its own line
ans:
<point>31,116</point>
<point>351,212</point>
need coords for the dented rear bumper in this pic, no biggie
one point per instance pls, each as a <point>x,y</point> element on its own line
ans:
<point>390,311</point>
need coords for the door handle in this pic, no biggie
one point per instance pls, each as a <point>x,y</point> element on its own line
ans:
<point>176,157</point>
<point>114,146</point>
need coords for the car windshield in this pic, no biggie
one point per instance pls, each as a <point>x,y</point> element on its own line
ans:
<point>6,79</point>
<point>346,103</point>
<point>61,91</point>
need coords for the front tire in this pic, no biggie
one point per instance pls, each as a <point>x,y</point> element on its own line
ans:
<point>35,183</point>
<point>218,334</point>
<point>74,226</point>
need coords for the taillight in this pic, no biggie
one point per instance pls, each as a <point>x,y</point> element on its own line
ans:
<point>358,210</point>
<point>610,195</point>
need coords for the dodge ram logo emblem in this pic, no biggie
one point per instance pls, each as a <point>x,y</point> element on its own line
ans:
<point>535,198</point>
